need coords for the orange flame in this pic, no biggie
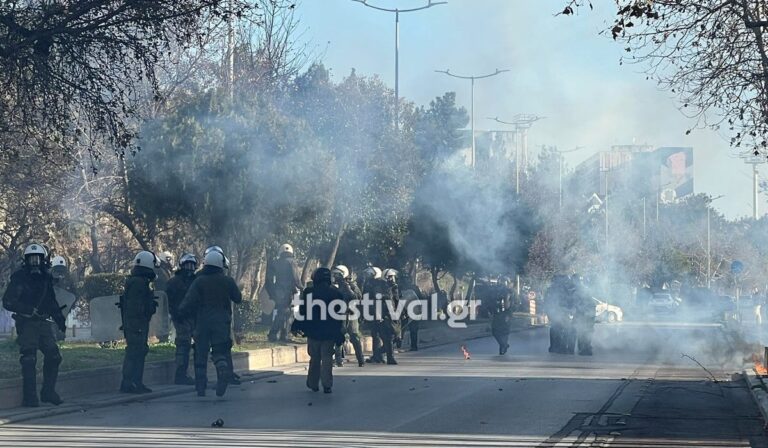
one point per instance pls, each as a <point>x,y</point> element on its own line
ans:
<point>758,365</point>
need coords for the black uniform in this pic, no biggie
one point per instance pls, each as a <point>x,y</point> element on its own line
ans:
<point>31,298</point>
<point>496,302</point>
<point>184,324</point>
<point>285,282</point>
<point>137,305</point>
<point>209,299</point>
<point>350,292</point>
<point>583,319</point>
<point>377,291</point>
<point>557,302</point>
<point>390,328</point>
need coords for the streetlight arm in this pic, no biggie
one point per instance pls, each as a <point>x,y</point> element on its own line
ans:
<point>427,6</point>
<point>448,72</point>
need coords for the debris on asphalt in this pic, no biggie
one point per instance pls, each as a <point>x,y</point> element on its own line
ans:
<point>219,423</point>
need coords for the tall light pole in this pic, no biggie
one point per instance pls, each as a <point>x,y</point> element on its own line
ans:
<point>397,12</point>
<point>755,161</point>
<point>472,113</point>
<point>521,122</point>
<point>560,174</point>
<point>709,242</point>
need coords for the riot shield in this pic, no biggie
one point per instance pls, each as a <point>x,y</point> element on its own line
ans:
<point>105,319</point>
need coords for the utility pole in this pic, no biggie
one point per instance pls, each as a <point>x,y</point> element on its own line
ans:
<point>230,53</point>
<point>472,113</point>
<point>397,12</point>
<point>755,160</point>
<point>521,122</point>
<point>560,174</point>
<point>709,241</point>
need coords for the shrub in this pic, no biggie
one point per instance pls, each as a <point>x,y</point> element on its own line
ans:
<point>106,284</point>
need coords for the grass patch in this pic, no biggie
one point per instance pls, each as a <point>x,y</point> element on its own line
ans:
<point>257,339</point>
<point>78,356</point>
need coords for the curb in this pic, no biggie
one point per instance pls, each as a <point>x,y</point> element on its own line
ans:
<point>758,391</point>
<point>167,391</point>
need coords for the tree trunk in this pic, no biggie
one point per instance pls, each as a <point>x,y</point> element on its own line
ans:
<point>470,288</point>
<point>306,271</point>
<point>435,285</point>
<point>93,258</point>
<point>453,286</point>
<point>332,256</point>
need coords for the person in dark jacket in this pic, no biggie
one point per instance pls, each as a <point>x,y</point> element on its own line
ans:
<point>30,296</point>
<point>375,288</point>
<point>137,305</point>
<point>323,332</point>
<point>282,285</point>
<point>351,293</point>
<point>556,300</point>
<point>583,316</point>
<point>210,299</point>
<point>176,289</point>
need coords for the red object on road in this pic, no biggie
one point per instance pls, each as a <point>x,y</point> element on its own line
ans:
<point>465,352</point>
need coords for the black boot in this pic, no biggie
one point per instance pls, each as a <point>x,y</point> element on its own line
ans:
<point>50,373</point>
<point>29,381</point>
<point>201,380</point>
<point>182,366</point>
<point>139,376</point>
<point>223,377</point>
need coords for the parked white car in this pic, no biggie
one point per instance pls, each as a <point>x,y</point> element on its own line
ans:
<point>605,312</point>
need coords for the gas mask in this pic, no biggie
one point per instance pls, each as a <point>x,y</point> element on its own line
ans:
<point>34,263</point>
<point>188,268</point>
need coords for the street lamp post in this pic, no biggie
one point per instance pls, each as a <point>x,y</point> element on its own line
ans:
<point>397,12</point>
<point>709,242</point>
<point>472,109</point>
<point>522,122</point>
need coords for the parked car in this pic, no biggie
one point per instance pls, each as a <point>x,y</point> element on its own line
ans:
<point>605,312</point>
<point>662,303</point>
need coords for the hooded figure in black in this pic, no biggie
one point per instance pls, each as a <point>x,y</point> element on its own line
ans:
<point>176,289</point>
<point>583,316</point>
<point>322,330</point>
<point>30,296</point>
<point>210,299</point>
<point>556,303</point>
<point>137,305</point>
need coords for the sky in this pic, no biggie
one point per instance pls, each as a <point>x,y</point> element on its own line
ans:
<point>560,68</point>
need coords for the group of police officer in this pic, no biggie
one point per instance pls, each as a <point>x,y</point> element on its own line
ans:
<point>571,312</point>
<point>200,306</point>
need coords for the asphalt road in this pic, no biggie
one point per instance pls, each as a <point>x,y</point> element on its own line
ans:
<point>638,390</point>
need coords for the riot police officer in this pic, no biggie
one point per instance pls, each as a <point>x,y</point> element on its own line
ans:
<point>137,306</point>
<point>210,298</point>
<point>583,316</point>
<point>30,296</point>
<point>390,325</point>
<point>501,313</point>
<point>351,293</point>
<point>282,285</point>
<point>184,324</point>
<point>375,288</point>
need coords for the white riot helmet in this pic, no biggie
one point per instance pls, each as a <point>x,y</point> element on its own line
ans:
<point>286,249</point>
<point>341,270</point>
<point>35,255</point>
<point>390,274</point>
<point>372,272</point>
<point>166,257</point>
<point>58,267</point>
<point>216,259</point>
<point>146,259</point>
<point>186,260</point>
<point>213,249</point>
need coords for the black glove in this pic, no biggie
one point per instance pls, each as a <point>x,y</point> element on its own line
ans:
<point>60,321</point>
